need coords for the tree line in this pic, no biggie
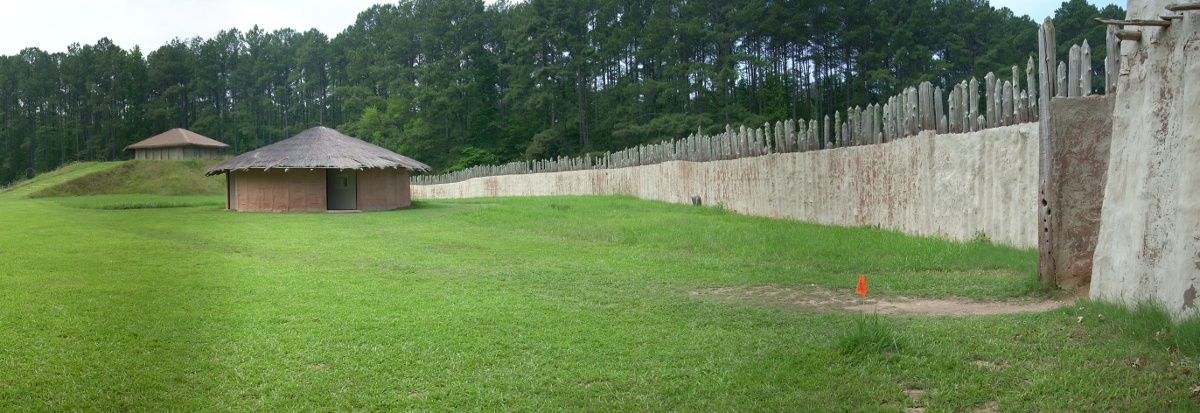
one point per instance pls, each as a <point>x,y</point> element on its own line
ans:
<point>455,83</point>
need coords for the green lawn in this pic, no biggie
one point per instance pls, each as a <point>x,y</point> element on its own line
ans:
<point>125,303</point>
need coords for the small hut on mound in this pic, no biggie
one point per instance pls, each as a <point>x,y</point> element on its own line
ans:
<point>319,169</point>
<point>177,143</point>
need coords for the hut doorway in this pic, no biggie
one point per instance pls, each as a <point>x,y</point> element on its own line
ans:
<point>341,189</point>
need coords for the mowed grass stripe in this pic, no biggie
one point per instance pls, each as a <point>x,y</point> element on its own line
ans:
<point>568,303</point>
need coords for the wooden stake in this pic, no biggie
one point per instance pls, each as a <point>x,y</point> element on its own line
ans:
<point>1184,6</point>
<point>973,104</point>
<point>1158,23</point>
<point>1085,69</point>
<point>1074,68</point>
<point>1032,86</point>
<point>1129,35</point>
<point>1061,89</point>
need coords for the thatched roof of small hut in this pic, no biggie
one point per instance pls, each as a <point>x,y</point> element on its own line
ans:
<point>320,148</point>
<point>177,137</point>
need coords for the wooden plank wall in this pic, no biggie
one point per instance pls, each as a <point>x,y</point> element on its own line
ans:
<point>177,152</point>
<point>301,190</point>
<point>382,189</point>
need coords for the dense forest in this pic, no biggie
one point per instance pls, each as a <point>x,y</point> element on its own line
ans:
<point>455,83</point>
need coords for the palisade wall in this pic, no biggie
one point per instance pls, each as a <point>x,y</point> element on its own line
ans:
<point>959,163</point>
<point>956,186</point>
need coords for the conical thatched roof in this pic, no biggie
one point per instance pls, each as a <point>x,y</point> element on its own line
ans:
<point>319,147</point>
<point>177,137</point>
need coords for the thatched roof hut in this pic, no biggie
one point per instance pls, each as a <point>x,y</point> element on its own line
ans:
<point>319,169</point>
<point>177,143</point>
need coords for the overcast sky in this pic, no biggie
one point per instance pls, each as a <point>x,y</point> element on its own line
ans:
<point>51,25</point>
<point>1039,10</point>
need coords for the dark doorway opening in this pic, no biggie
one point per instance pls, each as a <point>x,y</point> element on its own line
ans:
<point>341,189</point>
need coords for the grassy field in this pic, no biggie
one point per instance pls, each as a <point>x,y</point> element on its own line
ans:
<point>157,303</point>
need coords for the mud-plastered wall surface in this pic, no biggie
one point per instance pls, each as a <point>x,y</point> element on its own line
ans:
<point>1148,248</point>
<point>954,186</point>
<point>1080,132</point>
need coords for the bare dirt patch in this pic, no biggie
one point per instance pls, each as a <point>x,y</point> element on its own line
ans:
<point>814,297</point>
<point>913,394</point>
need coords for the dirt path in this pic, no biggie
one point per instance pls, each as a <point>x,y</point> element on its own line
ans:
<point>819,298</point>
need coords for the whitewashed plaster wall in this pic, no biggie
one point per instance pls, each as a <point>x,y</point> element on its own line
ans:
<point>955,186</point>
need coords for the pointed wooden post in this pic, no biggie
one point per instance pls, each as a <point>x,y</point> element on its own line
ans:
<point>860,125</point>
<point>794,133</point>
<point>866,125</point>
<point>899,116</point>
<point>837,129</point>
<point>1060,89</point>
<point>1046,53</point>
<point>742,142</point>
<point>1112,65</point>
<point>998,102</point>
<point>851,129</point>
<point>814,136</point>
<point>924,100</point>
<point>825,137</point>
<point>1022,111</point>
<point>1032,87</point>
<point>953,113</point>
<point>732,139</point>
<point>1085,69</point>
<point>964,110</point>
<point>959,105</point>
<point>929,107</point>
<point>973,104</point>
<point>863,125</point>
<point>806,132</point>
<point>790,142</point>
<point>877,124</point>
<point>887,121</point>
<point>873,121</point>
<point>751,144</point>
<point>778,145</point>
<point>742,139</point>
<point>1016,80</point>
<point>1074,68</point>
<point>799,135</point>
<point>756,136</point>
<point>871,124</point>
<point>914,111</point>
<point>739,136</point>
<point>989,86</point>
<point>1006,112</point>
<point>939,110</point>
